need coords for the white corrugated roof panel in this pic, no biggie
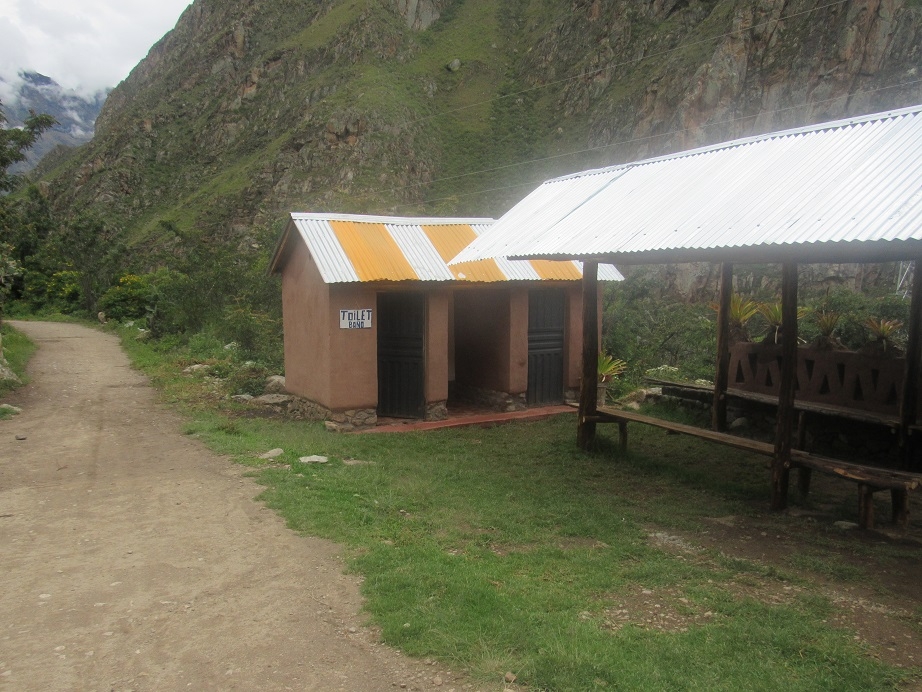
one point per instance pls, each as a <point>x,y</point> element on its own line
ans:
<point>420,252</point>
<point>851,181</point>
<point>349,248</point>
<point>331,260</point>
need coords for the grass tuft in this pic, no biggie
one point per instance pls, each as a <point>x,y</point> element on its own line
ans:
<point>17,349</point>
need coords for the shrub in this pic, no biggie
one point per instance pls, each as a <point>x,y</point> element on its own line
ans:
<point>205,345</point>
<point>131,299</point>
<point>854,310</point>
<point>257,334</point>
<point>248,379</point>
<point>647,329</point>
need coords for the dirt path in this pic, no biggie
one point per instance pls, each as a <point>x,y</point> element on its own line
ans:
<point>134,558</point>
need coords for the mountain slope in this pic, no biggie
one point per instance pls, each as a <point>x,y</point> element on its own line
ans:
<point>250,108</point>
<point>75,115</point>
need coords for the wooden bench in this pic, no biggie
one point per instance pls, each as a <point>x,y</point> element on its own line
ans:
<point>609,414</point>
<point>870,479</point>
<point>697,392</point>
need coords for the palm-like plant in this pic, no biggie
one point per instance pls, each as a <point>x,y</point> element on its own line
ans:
<point>609,367</point>
<point>826,321</point>
<point>741,311</point>
<point>883,331</point>
<point>772,314</point>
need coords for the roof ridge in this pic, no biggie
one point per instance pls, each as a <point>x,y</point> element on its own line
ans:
<point>750,139</point>
<point>393,220</point>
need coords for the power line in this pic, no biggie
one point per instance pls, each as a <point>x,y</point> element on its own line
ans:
<point>586,75</point>
<point>620,143</point>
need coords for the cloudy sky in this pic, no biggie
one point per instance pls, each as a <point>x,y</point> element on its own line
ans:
<point>85,45</point>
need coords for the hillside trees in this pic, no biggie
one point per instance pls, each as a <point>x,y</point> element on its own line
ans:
<point>14,142</point>
<point>90,247</point>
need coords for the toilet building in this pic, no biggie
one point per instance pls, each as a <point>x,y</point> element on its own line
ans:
<point>378,324</point>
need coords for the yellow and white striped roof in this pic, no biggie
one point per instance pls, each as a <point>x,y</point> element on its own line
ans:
<point>352,248</point>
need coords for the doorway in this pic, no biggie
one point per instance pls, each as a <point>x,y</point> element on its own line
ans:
<point>401,355</point>
<point>546,333</point>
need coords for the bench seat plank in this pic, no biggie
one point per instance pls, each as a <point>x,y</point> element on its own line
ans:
<point>610,414</point>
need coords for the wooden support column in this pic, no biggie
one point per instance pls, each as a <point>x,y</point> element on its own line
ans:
<point>804,474</point>
<point>865,506</point>
<point>900,507</point>
<point>722,374</point>
<point>781,463</point>
<point>909,402</point>
<point>588,389</point>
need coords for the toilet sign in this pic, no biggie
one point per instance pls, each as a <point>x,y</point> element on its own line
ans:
<point>355,319</point>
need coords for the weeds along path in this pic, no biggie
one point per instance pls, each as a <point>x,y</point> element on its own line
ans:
<point>134,558</point>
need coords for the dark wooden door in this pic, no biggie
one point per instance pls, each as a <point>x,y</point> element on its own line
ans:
<point>401,355</point>
<point>546,330</point>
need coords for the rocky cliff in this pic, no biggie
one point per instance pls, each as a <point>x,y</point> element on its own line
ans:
<point>252,108</point>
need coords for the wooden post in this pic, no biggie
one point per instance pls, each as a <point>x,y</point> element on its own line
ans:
<point>804,474</point>
<point>722,375</point>
<point>588,389</point>
<point>781,463</point>
<point>865,506</point>
<point>909,400</point>
<point>900,507</point>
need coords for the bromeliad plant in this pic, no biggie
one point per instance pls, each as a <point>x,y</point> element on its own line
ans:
<point>609,367</point>
<point>826,321</point>
<point>771,313</point>
<point>741,311</point>
<point>883,333</point>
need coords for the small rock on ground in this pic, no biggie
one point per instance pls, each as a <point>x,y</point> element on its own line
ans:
<point>275,384</point>
<point>357,462</point>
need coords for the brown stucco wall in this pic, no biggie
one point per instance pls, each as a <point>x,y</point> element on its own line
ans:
<point>516,375</point>
<point>437,351</point>
<point>305,306</point>
<point>573,354</point>
<point>353,363</point>
<point>337,368</point>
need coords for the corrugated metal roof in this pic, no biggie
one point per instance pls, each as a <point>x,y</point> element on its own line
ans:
<point>351,248</point>
<point>855,182</point>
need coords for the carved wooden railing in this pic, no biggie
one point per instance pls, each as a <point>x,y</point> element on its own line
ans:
<point>836,378</point>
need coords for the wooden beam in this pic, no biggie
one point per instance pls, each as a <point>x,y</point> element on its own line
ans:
<point>802,253</point>
<point>909,403</point>
<point>781,462</point>
<point>722,374</point>
<point>588,389</point>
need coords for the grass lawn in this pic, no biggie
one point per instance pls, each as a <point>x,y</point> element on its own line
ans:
<point>507,549</point>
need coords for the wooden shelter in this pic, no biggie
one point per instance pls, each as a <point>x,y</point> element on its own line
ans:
<point>844,191</point>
